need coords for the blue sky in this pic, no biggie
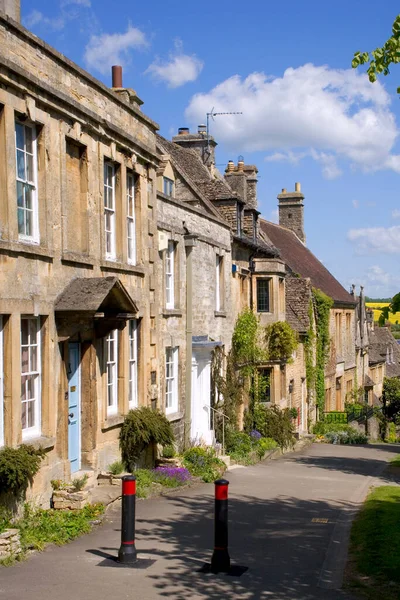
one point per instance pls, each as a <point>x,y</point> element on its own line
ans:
<point>307,116</point>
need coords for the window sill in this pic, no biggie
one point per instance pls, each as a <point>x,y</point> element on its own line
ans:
<point>26,248</point>
<point>220,313</point>
<point>75,257</point>
<point>44,442</point>
<point>171,312</point>
<point>112,421</point>
<point>109,265</point>
<point>175,416</point>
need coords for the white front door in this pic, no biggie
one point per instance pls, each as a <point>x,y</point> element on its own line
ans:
<point>201,431</point>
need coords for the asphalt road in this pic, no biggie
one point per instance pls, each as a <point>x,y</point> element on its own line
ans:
<point>289,525</point>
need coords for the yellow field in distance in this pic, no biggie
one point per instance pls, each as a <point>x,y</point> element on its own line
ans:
<point>377,305</point>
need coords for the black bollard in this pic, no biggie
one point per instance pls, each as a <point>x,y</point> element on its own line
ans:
<point>127,551</point>
<point>220,561</point>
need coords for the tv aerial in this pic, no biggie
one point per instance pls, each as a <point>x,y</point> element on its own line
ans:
<point>213,114</point>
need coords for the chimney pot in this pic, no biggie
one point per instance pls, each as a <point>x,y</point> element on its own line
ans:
<point>183,131</point>
<point>240,165</point>
<point>297,187</point>
<point>202,129</point>
<point>116,76</point>
<point>231,166</point>
<point>283,190</point>
<point>12,8</point>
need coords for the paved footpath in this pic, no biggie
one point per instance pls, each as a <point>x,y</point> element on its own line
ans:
<point>289,524</point>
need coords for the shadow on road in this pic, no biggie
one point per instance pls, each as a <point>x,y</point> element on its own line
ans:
<point>282,541</point>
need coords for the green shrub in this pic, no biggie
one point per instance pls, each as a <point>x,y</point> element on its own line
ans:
<point>335,417</point>
<point>350,436</point>
<point>18,466</point>
<point>237,442</point>
<point>168,451</point>
<point>79,483</point>
<point>142,427</point>
<point>5,518</point>
<point>116,468</point>
<point>144,480</point>
<point>202,462</point>
<point>322,427</point>
<point>264,445</point>
<point>274,423</point>
<point>392,436</point>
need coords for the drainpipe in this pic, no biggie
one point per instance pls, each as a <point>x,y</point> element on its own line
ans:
<point>190,242</point>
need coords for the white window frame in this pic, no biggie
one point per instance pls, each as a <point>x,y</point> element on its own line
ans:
<point>131,217</point>
<point>32,374</point>
<point>109,210</point>
<point>171,379</point>
<point>168,187</point>
<point>111,372</point>
<point>28,182</point>
<point>218,282</point>
<point>1,384</point>
<point>133,364</point>
<point>170,275</point>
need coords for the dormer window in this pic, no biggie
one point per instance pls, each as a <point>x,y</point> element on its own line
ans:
<point>168,186</point>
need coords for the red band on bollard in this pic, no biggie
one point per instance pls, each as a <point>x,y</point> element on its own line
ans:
<point>221,492</point>
<point>128,488</point>
<point>128,543</point>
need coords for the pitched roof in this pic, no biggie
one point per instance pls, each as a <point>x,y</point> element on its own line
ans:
<point>189,165</point>
<point>301,260</point>
<point>384,348</point>
<point>298,295</point>
<point>89,294</point>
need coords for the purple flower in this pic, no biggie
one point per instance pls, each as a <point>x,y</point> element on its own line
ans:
<point>256,435</point>
<point>179,473</point>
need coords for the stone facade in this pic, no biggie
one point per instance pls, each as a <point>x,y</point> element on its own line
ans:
<point>71,127</point>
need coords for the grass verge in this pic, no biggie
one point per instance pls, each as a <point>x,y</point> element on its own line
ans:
<point>374,556</point>
<point>40,527</point>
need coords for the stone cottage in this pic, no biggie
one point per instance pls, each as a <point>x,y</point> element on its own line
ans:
<point>232,269</point>
<point>78,247</point>
<point>347,367</point>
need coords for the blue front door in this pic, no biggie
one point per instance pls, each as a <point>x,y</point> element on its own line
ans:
<point>74,407</point>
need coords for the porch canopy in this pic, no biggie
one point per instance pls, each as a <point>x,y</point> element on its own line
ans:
<point>92,307</point>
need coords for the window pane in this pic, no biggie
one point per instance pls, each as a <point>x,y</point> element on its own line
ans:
<point>19,130</point>
<point>20,194</point>
<point>263,295</point>
<point>23,415</point>
<point>31,414</point>
<point>21,164</point>
<point>29,168</point>
<point>28,139</point>
<point>24,331</point>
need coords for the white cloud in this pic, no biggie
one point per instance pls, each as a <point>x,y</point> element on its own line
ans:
<point>38,18</point>
<point>179,69</point>
<point>109,49</point>
<point>376,240</point>
<point>395,214</point>
<point>355,203</point>
<point>328,114</point>
<point>378,282</point>
<point>86,3</point>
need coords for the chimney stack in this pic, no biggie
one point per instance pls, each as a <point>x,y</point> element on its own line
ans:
<point>12,8</point>
<point>291,211</point>
<point>117,76</point>
<point>203,146</point>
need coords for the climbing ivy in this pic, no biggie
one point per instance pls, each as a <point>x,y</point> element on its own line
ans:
<point>252,345</point>
<point>309,345</point>
<point>323,305</point>
<point>281,341</point>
